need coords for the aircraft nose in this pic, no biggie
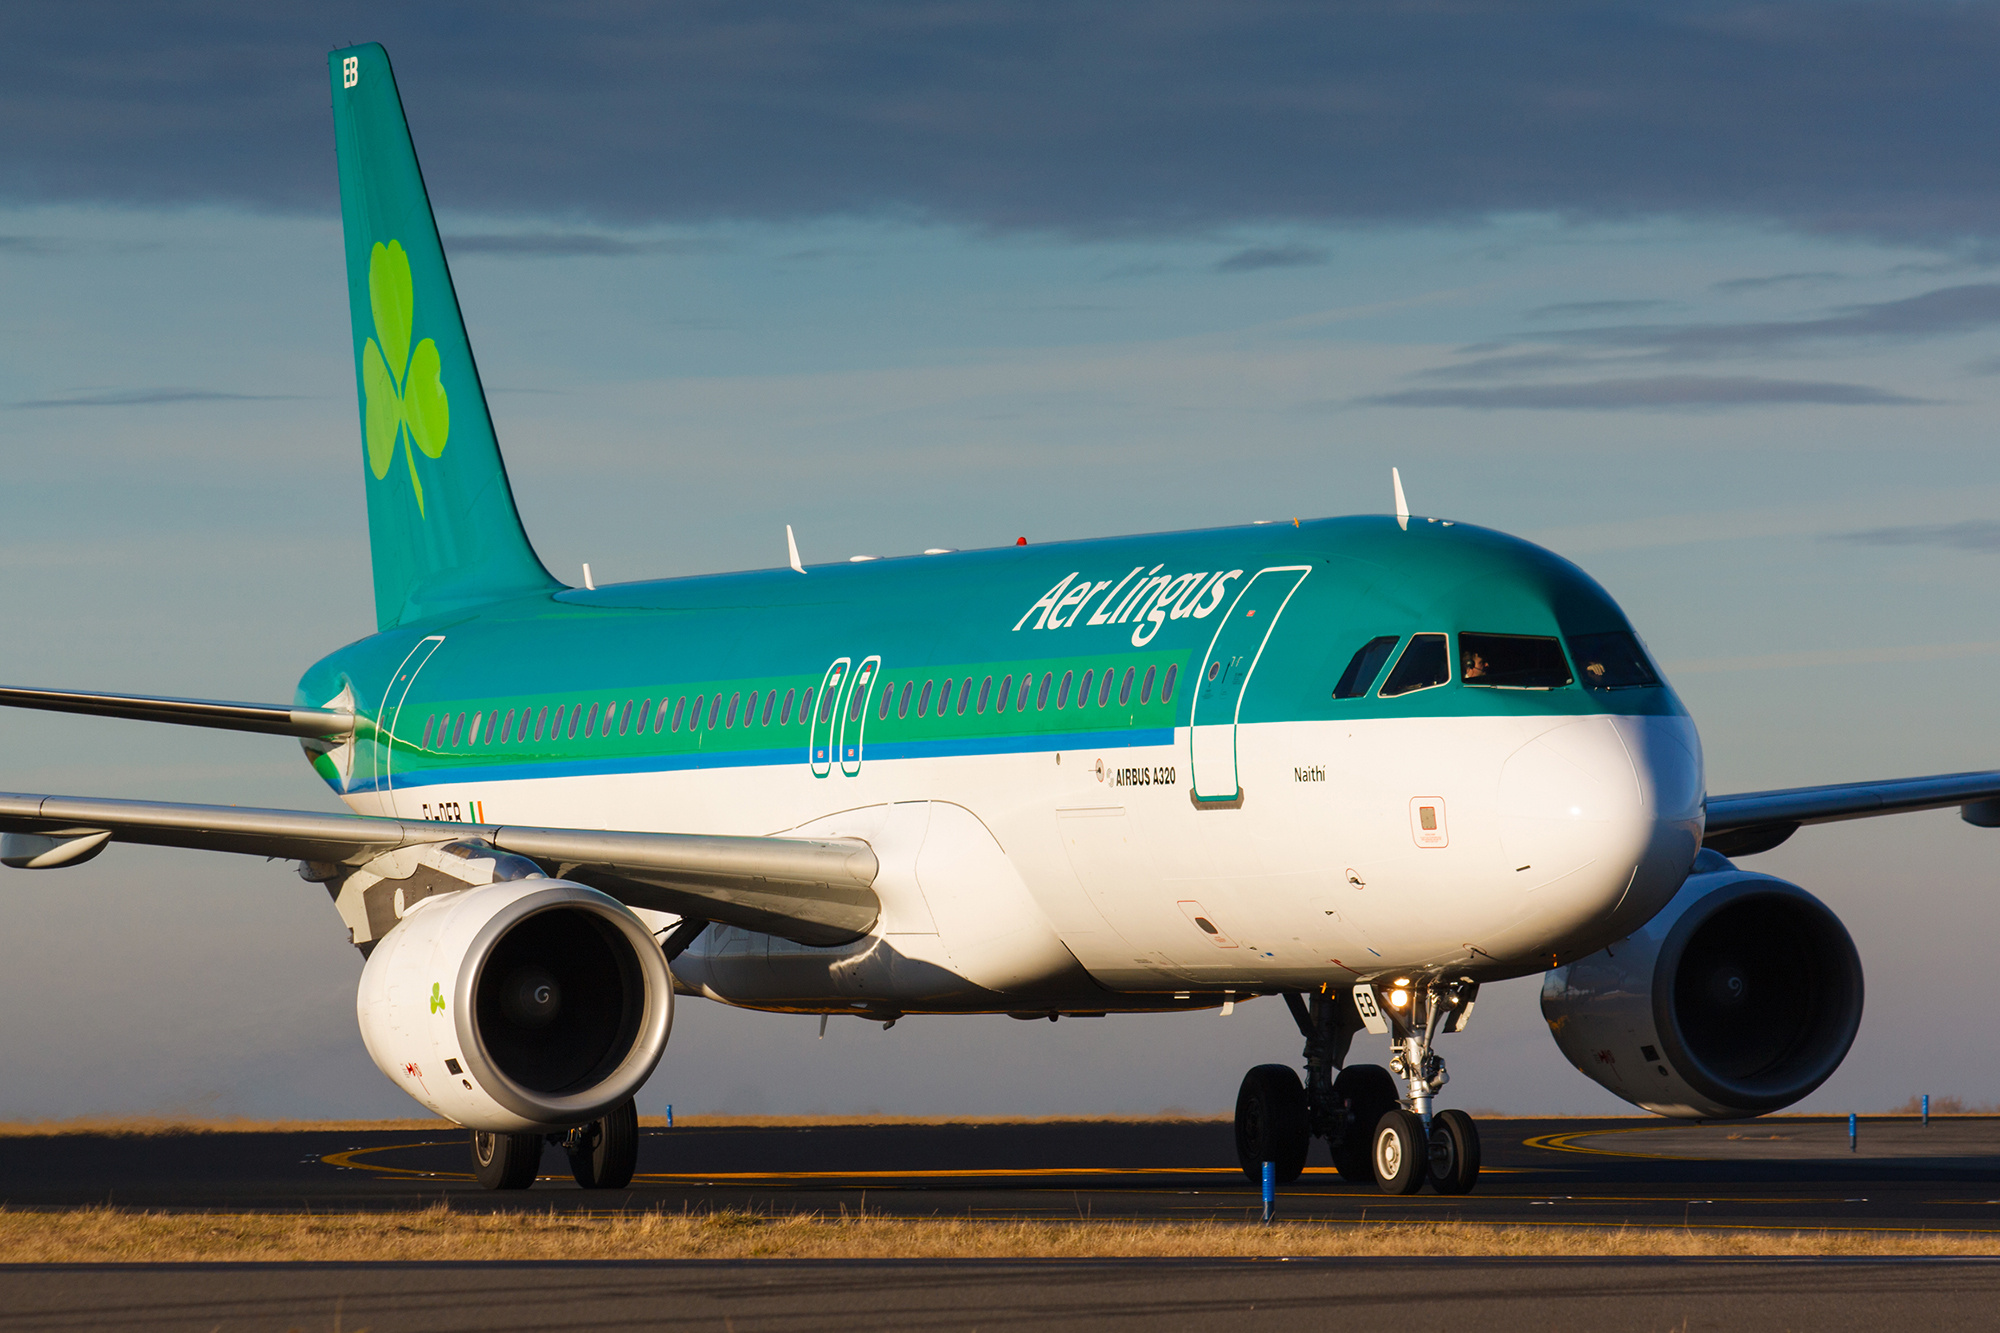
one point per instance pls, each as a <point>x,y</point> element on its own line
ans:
<point>1599,798</point>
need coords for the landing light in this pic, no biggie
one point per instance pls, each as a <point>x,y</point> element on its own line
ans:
<point>1398,998</point>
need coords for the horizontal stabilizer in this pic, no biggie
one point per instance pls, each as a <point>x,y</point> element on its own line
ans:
<point>270,719</point>
<point>813,891</point>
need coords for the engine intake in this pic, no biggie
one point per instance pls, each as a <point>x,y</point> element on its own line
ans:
<point>535,1004</point>
<point>1740,997</point>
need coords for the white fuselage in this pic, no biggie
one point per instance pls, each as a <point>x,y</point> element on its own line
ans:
<point>1090,880</point>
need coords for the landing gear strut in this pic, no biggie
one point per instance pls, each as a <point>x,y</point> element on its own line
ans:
<point>1375,1130</point>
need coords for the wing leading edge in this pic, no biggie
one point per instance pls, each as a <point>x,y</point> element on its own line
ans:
<point>814,891</point>
<point>1749,822</point>
<point>269,719</point>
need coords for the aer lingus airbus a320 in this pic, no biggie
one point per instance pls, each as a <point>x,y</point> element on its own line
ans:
<point>1365,764</point>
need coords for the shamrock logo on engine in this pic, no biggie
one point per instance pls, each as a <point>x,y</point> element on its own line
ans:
<point>437,997</point>
<point>406,401</point>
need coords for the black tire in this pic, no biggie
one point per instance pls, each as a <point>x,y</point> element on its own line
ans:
<point>1399,1151</point>
<point>1454,1164</point>
<point>1367,1091</point>
<point>1271,1123</point>
<point>506,1161</point>
<point>609,1151</point>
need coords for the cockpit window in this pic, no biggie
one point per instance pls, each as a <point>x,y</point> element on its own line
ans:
<point>1612,661</point>
<point>1512,661</point>
<point>1359,678</point>
<point>1426,662</point>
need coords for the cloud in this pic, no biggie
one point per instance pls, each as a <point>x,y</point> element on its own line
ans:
<point>1865,118</point>
<point>1272,256</point>
<point>146,398</point>
<point>1505,365</point>
<point>1812,279</point>
<point>1588,309</point>
<point>1659,393</point>
<point>1962,309</point>
<point>571,244</point>
<point>1973,534</point>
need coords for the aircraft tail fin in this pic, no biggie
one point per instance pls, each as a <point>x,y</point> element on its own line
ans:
<point>442,526</point>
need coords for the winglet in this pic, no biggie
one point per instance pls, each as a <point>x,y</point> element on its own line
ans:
<point>1402,505</point>
<point>792,548</point>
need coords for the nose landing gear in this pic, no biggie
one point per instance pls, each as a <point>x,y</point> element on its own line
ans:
<point>1375,1131</point>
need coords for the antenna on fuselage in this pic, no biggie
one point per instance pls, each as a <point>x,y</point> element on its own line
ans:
<point>1402,505</point>
<point>792,548</point>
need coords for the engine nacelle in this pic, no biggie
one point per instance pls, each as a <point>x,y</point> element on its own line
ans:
<point>1739,998</point>
<point>535,1004</point>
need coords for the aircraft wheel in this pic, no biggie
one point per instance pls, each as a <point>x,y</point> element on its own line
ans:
<point>1454,1152</point>
<point>1370,1090</point>
<point>604,1153</point>
<point>506,1161</point>
<point>1399,1152</point>
<point>1271,1123</point>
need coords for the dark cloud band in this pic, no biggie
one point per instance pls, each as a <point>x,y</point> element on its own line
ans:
<point>1864,118</point>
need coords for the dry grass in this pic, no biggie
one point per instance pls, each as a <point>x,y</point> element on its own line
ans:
<point>105,1235</point>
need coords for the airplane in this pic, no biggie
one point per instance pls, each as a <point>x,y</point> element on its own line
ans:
<point>1366,764</point>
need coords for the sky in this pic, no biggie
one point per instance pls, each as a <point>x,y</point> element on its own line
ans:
<point>1705,297</point>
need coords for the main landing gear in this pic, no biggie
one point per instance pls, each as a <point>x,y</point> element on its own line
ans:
<point>1375,1131</point>
<point>602,1154</point>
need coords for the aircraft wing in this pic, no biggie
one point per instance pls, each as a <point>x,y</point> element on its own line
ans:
<point>1751,822</point>
<point>270,719</point>
<point>814,891</point>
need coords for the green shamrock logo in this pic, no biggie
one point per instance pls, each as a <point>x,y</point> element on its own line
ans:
<point>406,399</point>
<point>437,998</point>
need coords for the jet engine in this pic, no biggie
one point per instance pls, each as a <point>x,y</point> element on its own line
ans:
<point>1739,998</point>
<point>532,1004</point>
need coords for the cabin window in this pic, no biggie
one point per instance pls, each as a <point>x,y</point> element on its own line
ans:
<point>1424,663</point>
<point>1083,690</point>
<point>1364,667</point>
<point>1611,661</point>
<point>590,723</point>
<point>1146,686</point>
<point>1021,699</point>
<point>924,699</point>
<point>1042,698</point>
<point>1512,661</point>
<point>888,699</point>
<point>1104,690</point>
<point>903,702</point>
<point>541,721</point>
<point>1125,688</point>
<point>985,694</point>
<point>785,713</point>
<point>645,716</point>
<point>964,695</point>
<point>660,718</point>
<point>730,719</point>
<point>679,708</point>
<point>750,709</point>
<point>507,727</point>
<point>492,725</point>
<point>624,719</point>
<point>944,696</point>
<point>806,703</point>
<point>555,727</point>
<point>1167,685</point>
<point>458,731</point>
<point>1062,695</point>
<point>429,723</point>
<point>857,695</point>
<point>714,709</point>
<point>1006,691</point>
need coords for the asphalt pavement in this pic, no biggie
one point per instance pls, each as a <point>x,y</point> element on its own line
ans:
<point>1782,1174</point>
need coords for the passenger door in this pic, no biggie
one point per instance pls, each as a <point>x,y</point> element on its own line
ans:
<point>391,716</point>
<point>1225,673</point>
<point>854,718</point>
